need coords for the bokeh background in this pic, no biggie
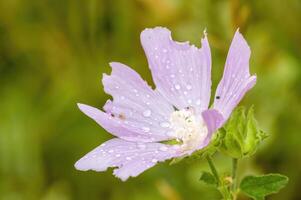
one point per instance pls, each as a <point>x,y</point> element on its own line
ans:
<point>53,54</point>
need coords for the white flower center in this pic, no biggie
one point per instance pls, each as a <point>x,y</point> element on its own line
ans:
<point>188,128</point>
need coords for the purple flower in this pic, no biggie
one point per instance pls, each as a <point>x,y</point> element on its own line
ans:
<point>141,118</point>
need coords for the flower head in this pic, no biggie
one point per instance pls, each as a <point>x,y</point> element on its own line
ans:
<point>142,118</point>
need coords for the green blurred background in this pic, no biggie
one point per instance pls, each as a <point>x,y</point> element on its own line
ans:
<point>53,54</point>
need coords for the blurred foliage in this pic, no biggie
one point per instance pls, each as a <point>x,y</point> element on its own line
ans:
<point>53,53</point>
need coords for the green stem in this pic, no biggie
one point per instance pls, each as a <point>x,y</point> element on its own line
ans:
<point>234,176</point>
<point>222,189</point>
<point>213,170</point>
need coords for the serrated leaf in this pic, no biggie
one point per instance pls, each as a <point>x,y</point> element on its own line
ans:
<point>208,178</point>
<point>258,187</point>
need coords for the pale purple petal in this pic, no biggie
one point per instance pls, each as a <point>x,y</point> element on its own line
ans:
<point>130,158</point>
<point>114,125</point>
<point>181,72</point>
<point>136,107</point>
<point>236,79</point>
<point>213,120</point>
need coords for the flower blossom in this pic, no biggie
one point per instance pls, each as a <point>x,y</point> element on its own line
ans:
<point>143,118</point>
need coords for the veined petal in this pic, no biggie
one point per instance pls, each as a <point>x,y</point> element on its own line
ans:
<point>213,120</point>
<point>136,112</point>
<point>130,158</point>
<point>236,79</point>
<point>181,72</point>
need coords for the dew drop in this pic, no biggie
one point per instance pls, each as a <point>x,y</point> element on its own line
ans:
<point>164,124</point>
<point>147,113</point>
<point>154,160</point>
<point>146,129</point>
<point>117,155</point>
<point>163,148</point>
<point>172,76</point>
<point>141,146</point>
<point>164,50</point>
<point>128,158</point>
<point>177,86</point>
<point>188,87</point>
<point>170,134</point>
<point>111,151</point>
<point>198,102</point>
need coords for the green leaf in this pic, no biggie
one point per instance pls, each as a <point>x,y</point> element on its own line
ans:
<point>258,187</point>
<point>208,178</point>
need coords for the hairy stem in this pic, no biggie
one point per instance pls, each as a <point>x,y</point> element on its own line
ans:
<point>234,177</point>
<point>213,170</point>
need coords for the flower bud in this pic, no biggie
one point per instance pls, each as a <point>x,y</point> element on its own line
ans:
<point>241,135</point>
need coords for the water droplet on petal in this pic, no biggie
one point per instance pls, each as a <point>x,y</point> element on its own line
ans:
<point>128,158</point>
<point>198,102</point>
<point>146,129</point>
<point>117,155</point>
<point>111,151</point>
<point>147,113</point>
<point>163,148</point>
<point>177,86</point>
<point>188,87</point>
<point>170,134</point>
<point>141,146</point>
<point>154,160</point>
<point>164,124</point>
